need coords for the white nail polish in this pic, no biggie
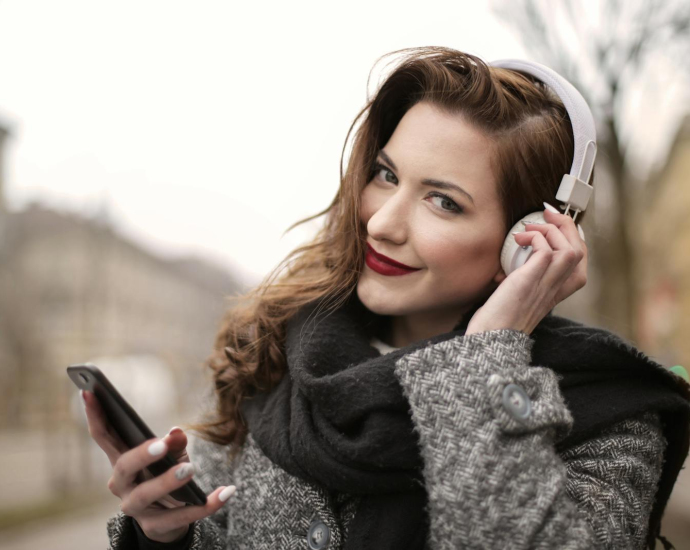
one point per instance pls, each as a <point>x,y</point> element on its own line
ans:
<point>582,233</point>
<point>157,448</point>
<point>226,493</point>
<point>184,471</point>
<point>547,206</point>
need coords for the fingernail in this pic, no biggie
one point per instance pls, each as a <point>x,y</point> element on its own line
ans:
<point>582,233</point>
<point>226,493</point>
<point>174,429</point>
<point>157,448</point>
<point>532,222</point>
<point>547,206</point>
<point>515,232</point>
<point>83,397</point>
<point>184,471</point>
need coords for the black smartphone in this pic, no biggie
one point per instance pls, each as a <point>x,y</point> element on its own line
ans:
<point>129,425</point>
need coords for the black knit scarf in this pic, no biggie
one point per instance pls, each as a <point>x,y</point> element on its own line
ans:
<point>339,418</point>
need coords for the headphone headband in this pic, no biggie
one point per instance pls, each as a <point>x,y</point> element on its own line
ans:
<point>574,189</point>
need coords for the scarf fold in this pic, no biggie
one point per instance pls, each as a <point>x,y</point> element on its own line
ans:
<point>339,417</point>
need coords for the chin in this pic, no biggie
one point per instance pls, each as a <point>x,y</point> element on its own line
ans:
<point>383,300</point>
<point>380,301</point>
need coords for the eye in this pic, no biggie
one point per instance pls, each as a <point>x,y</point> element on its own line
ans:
<point>388,175</point>
<point>444,202</point>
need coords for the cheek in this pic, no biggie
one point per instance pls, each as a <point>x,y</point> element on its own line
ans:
<point>451,257</point>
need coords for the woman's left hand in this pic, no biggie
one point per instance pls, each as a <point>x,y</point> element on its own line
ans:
<point>556,269</point>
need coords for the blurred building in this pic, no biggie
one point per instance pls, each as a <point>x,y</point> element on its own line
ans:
<point>72,289</point>
<point>4,133</point>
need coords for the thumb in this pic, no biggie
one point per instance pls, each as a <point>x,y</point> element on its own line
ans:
<point>176,441</point>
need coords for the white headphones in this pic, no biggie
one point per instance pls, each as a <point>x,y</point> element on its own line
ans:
<point>574,190</point>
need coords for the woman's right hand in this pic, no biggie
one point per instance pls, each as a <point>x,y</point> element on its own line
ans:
<point>144,497</point>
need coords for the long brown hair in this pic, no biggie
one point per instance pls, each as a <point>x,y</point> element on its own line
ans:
<point>533,147</point>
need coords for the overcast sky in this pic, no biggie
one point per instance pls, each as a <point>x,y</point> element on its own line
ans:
<point>205,127</point>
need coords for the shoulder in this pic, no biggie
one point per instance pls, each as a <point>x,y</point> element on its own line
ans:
<point>555,326</point>
<point>586,354</point>
<point>572,345</point>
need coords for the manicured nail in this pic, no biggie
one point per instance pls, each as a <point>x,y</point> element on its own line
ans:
<point>157,448</point>
<point>184,471</point>
<point>226,493</point>
<point>532,222</point>
<point>582,233</point>
<point>174,429</point>
<point>547,206</point>
<point>515,232</point>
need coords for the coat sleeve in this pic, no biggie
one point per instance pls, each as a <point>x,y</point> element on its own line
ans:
<point>493,477</point>
<point>213,469</point>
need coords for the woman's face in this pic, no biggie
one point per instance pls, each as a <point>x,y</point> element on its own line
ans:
<point>451,240</point>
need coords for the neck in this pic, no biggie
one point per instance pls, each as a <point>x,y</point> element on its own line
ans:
<point>407,329</point>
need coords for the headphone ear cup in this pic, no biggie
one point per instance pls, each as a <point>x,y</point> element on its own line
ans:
<point>512,254</point>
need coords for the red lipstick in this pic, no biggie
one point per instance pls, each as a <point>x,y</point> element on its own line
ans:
<point>384,265</point>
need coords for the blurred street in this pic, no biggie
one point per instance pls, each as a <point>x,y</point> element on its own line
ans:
<point>75,530</point>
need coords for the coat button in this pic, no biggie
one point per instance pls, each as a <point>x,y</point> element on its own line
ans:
<point>516,402</point>
<point>318,535</point>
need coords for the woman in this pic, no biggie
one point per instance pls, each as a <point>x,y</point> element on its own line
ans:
<point>393,387</point>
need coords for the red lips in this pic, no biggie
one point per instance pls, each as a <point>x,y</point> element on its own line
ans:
<point>384,265</point>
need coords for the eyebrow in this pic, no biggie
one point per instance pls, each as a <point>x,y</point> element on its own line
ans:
<point>433,183</point>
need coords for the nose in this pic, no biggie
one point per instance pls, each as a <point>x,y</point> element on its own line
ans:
<point>390,220</point>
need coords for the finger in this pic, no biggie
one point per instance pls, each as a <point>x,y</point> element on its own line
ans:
<point>540,259</point>
<point>164,521</point>
<point>576,281</point>
<point>129,464</point>
<point>576,278</point>
<point>176,440</point>
<point>547,273</point>
<point>554,236</point>
<point>145,494</point>
<point>567,226</point>
<point>556,265</point>
<point>101,430</point>
<point>564,251</point>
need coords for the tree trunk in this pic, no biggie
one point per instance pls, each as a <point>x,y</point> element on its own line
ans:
<point>613,251</point>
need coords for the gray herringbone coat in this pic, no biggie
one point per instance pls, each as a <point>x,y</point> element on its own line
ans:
<point>493,481</point>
